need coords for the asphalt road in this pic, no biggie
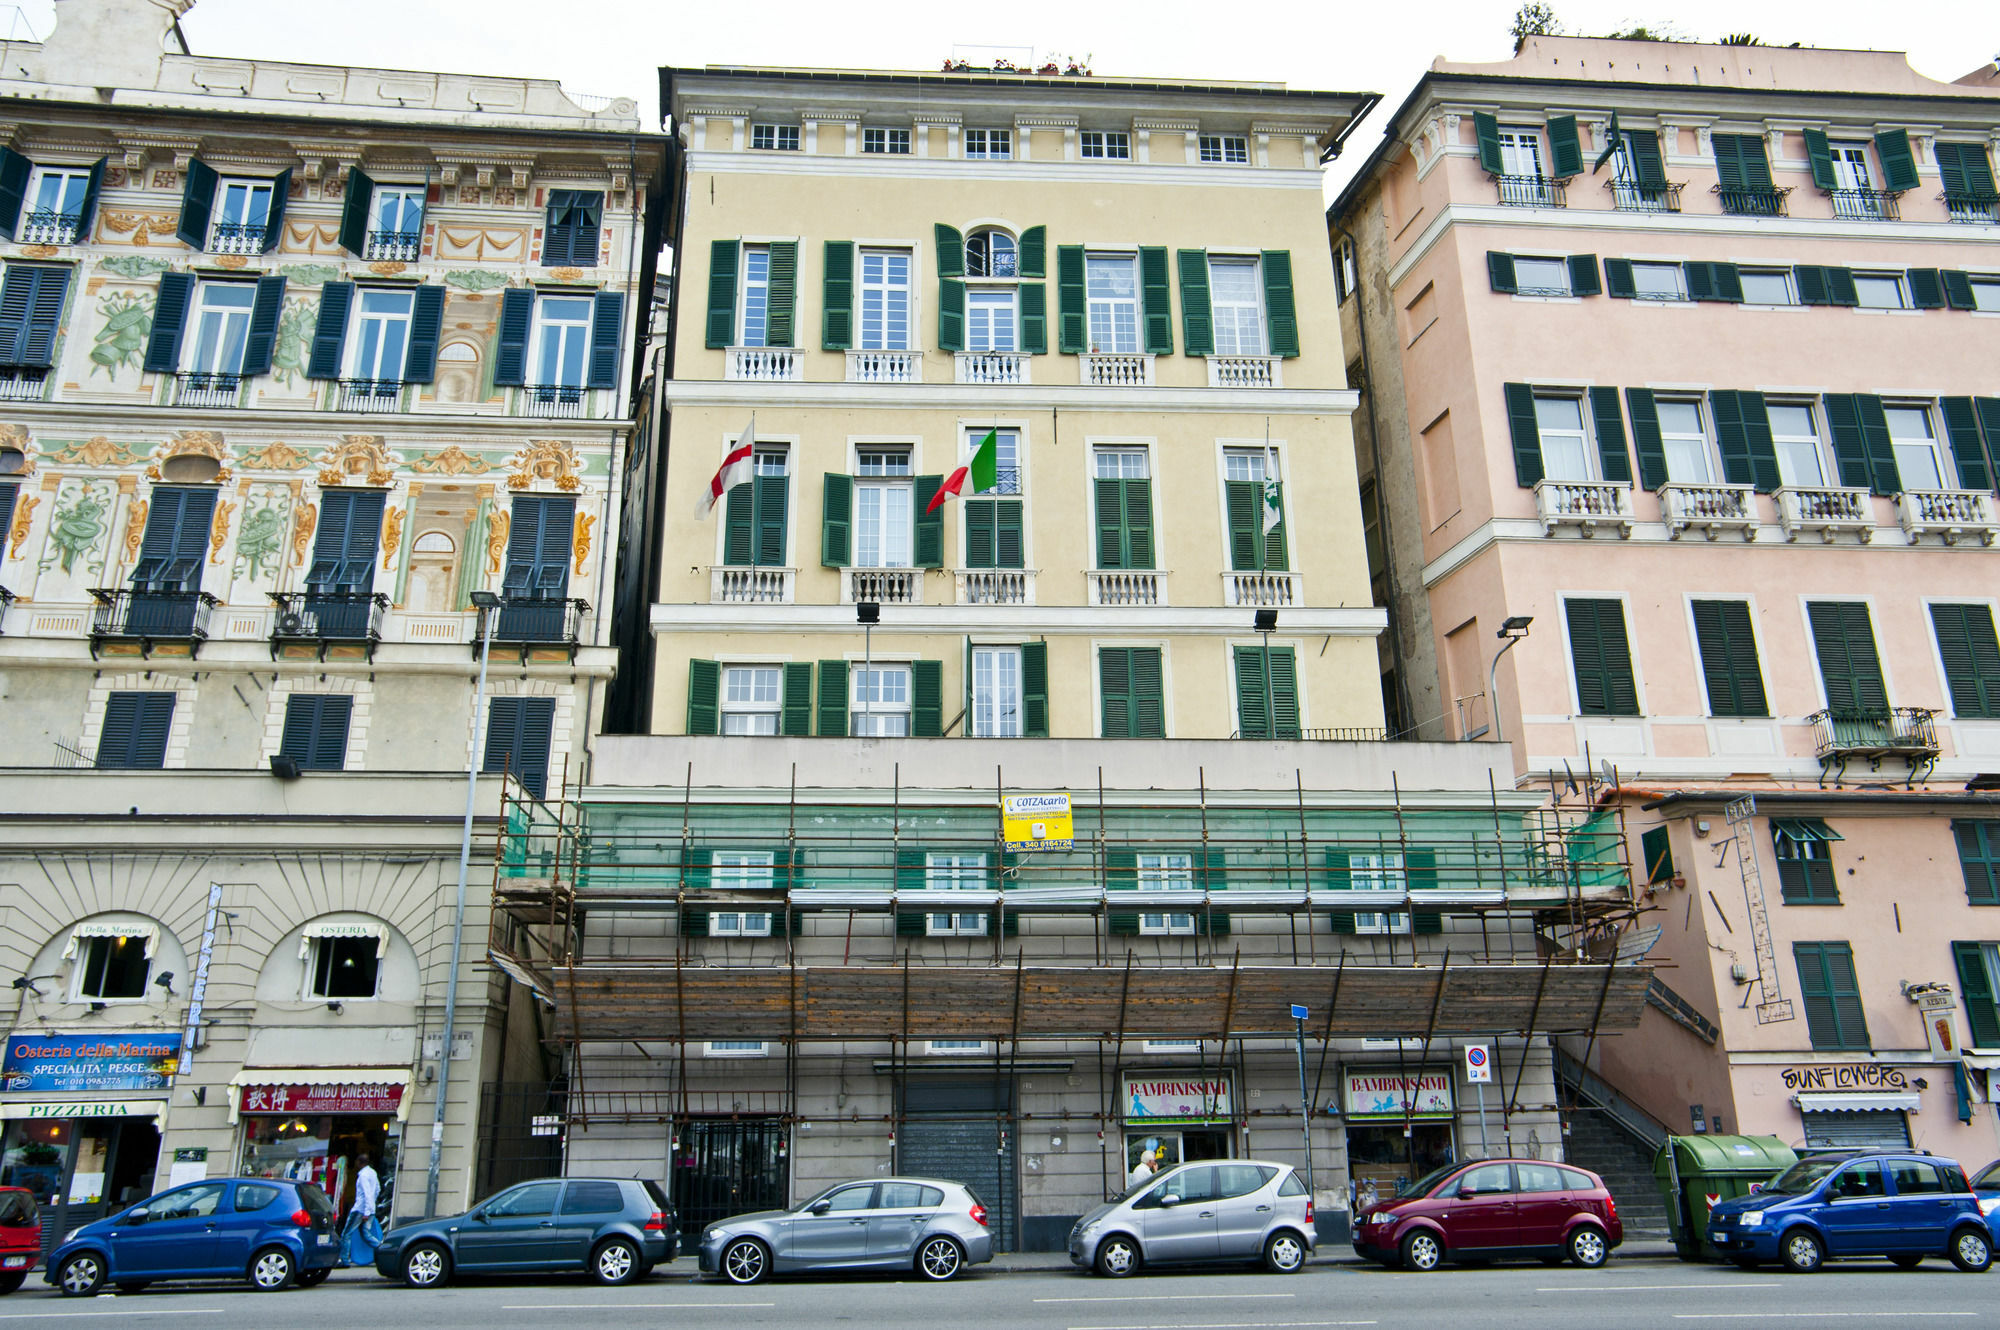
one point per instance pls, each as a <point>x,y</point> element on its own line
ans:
<point>1648,1293</point>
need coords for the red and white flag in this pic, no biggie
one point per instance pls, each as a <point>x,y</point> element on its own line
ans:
<point>736,468</point>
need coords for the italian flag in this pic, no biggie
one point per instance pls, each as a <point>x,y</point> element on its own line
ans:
<point>984,468</point>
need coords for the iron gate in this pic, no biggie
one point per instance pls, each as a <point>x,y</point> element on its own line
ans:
<point>509,1149</point>
<point>957,1130</point>
<point>727,1167</point>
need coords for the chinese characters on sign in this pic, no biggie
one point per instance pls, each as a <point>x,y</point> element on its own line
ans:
<point>377,1100</point>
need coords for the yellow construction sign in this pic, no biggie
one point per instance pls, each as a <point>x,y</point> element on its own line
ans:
<point>1036,822</point>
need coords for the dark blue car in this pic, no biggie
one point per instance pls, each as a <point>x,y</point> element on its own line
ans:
<point>272,1232</point>
<point>1898,1204</point>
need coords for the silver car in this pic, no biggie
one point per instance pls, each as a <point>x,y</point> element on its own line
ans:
<point>1217,1210</point>
<point>933,1227</point>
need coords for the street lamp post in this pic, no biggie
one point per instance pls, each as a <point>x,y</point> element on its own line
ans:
<point>1512,629</point>
<point>867,613</point>
<point>1266,623</point>
<point>489,607</point>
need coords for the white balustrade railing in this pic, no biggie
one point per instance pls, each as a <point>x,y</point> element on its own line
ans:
<point>996,586</point>
<point>1245,372</point>
<point>991,367</point>
<point>1827,511</point>
<point>885,367</point>
<point>1950,515</point>
<point>765,364</point>
<point>1584,504</point>
<point>751,586</point>
<point>1266,588</point>
<point>884,586</point>
<point>1122,586</point>
<point>1099,370</point>
<point>1709,509</point>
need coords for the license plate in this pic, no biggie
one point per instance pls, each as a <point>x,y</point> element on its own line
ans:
<point>326,1239</point>
<point>16,1262</point>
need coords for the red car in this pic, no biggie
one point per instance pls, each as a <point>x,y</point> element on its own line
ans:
<point>1493,1208</point>
<point>20,1236</point>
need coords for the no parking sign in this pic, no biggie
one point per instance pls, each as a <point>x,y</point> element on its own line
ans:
<point>1478,1064</point>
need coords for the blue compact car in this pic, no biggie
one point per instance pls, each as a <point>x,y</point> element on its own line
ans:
<point>272,1232</point>
<point>1898,1204</point>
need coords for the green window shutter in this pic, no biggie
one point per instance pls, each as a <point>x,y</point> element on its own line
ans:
<point>1420,871</point>
<point>1340,877</point>
<point>1700,281</point>
<point>1740,163</point>
<point>982,518</point>
<point>1033,251</point>
<point>1988,411</point>
<point>1811,280</point>
<point>951,314</point>
<point>929,534</point>
<point>796,718</point>
<point>1646,440</point>
<point>1500,272</point>
<point>1757,437</point>
<point>773,497</point>
<point>1974,983</point>
<point>1602,657</point>
<point>1957,289</point>
<point>1657,850</point>
<point>1110,505</point>
<point>1010,545</point>
<point>1729,665</point>
<point>353,233</point>
<point>1583,275</point>
<point>1251,548</point>
<point>1979,859</point>
<point>1844,641</point>
<point>1820,155</point>
<point>1138,531</point>
<point>1899,164</point>
<point>704,697</point>
<point>780,323</point>
<point>836,521</point>
<point>1834,1016</point>
<point>694,923</point>
<point>1197,314</point>
<point>1730,438</point>
<point>1211,874</point>
<point>1257,717</point>
<point>1155,300</point>
<point>1850,450</point>
<point>836,316</point>
<point>1070,320</point>
<point>912,874</point>
<point>1527,434</point>
<point>1882,473</point>
<point>1618,279</point>
<point>1486,130</point>
<point>1926,288</point>
<point>1114,687</point>
<point>926,698</point>
<point>1121,873</point>
<point>1279,313</point>
<point>1840,286</point>
<point>1611,453</point>
<point>739,526</point>
<point>1646,152</point>
<point>1961,429</point>
<point>1971,656</point>
<point>1034,690</point>
<point>950,250</point>
<point>1728,160</point>
<point>1149,704</point>
<point>1035,318</point>
<point>911,923</point>
<point>1965,169</point>
<point>1565,152</point>
<point>722,256</point>
<point>1727,279</point>
<point>833,699</point>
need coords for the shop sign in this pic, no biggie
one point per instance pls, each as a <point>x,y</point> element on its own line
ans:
<point>1394,1095</point>
<point>362,1099</point>
<point>86,1108</point>
<point>90,1063</point>
<point>1177,1099</point>
<point>1037,822</point>
<point>1846,1076</point>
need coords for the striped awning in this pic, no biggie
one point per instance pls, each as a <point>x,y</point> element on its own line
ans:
<point>1858,1103</point>
<point>1802,829</point>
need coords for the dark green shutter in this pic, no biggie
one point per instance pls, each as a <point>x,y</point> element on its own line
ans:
<point>1110,504</point>
<point>315,734</point>
<point>1124,523</point>
<point>722,258</point>
<point>1700,285</point>
<point>1565,152</point>
<point>1656,849</point>
<point>739,521</point>
<point>1731,439</point>
<point>1729,666</point>
<point>1486,130</point>
<point>1121,873</point>
<point>136,728</point>
<point>1971,656</point>
<point>263,335</point>
<point>1832,997</point>
<point>86,207</point>
<point>833,699</point>
<point>912,874</point>
<point>1500,272</point>
<point>510,348</point>
<point>1652,168</point>
<point>1340,877</point>
<point>1850,450</point>
<point>695,876</point>
<point>1899,164</point>
<point>1071,320</point>
<point>1646,441</point>
<point>354,208</point>
<point>1988,411</point>
<point>163,344</point>
<point>1284,694</point>
<point>1611,453</point>
<point>1726,279</point>
<point>981,535</point>
<point>1602,657</point>
<point>1811,280</point>
<point>1211,874</point>
<point>1882,473</point>
<point>1926,288</point>
<point>1279,312</point>
<point>1527,434</point>
<point>836,521</point>
<point>1420,873</point>
<point>773,496</point>
<point>796,718</point>
<point>1981,1013</point>
<point>1757,437</point>
<point>329,343</point>
<point>1156,305</point>
<point>1251,698</point>
<point>1197,314</point>
<point>1968,455</point>
<point>1149,705</point>
<point>427,324</point>
<point>1034,690</point>
<point>1034,252</point>
<point>929,533</point>
<point>1820,155</point>
<point>1740,162</point>
<point>1840,287</point>
<point>1583,275</point>
<point>951,314</point>
<point>1114,687</point>
<point>1979,859</point>
<point>836,318</point>
<point>1244,500</point>
<point>14,172</point>
<point>926,698</point>
<point>1957,289</point>
<point>1035,318</point>
<point>950,250</point>
<point>274,216</point>
<point>704,697</point>
<point>781,318</point>
<point>197,206</point>
<point>1844,641</point>
<point>1965,170</point>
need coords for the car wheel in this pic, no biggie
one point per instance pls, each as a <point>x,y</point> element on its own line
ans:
<point>615,1262</point>
<point>136,1286</point>
<point>1117,1257</point>
<point>1587,1247</point>
<point>314,1278</point>
<point>1801,1252</point>
<point>1971,1251</point>
<point>426,1266</point>
<point>271,1270</point>
<point>1284,1253</point>
<point>81,1275</point>
<point>939,1259</point>
<point>746,1261</point>
<point>1423,1251</point>
<point>10,1282</point>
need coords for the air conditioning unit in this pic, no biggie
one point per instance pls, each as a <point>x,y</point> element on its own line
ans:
<point>291,624</point>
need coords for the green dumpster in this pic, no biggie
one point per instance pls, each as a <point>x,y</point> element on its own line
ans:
<point>1697,1172</point>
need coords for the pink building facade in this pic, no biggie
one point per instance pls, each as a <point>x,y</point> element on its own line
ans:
<point>1690,355</point>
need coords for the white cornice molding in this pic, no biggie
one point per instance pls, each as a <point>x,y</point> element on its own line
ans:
<point>948,119</point>
<point>831,117</point>
<point>1155,125</point>
<point>1062,620</point>
<point>1016,170</point>
<point>974,397</point>
<point>1044,120</point>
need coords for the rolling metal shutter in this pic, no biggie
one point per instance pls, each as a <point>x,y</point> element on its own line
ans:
<point>1849,1129</point>
<point>954,1130</point>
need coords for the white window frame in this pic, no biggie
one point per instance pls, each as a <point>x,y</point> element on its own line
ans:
<point>1516,140</point>
<point>1588,470</point>
<point>1113,306</point>
<point>1784,445</point>
<point>309,992</point>
<point>1894,279</point>
<point>756,295</point>
<point>884,716</point>
<point>1383,872</point>
<point>1224,149</point>
<point>1245,317</point>
<point>1347,272</point>
<point>991,310</point>
<point>1110,145</point>
<point>1116,461</point>
<point>1850,164</point>
<point>1695,446</point>
<point>990,716</point>
<point>992,252</point>
<point>995,145</point>
<point>952,870</point>
<point>1165,872</point>
<point>779,138</point>
<point>1170,1046</point>
<point>1657,267</point>
<point>876,295</point>
<point>1010,479</point>
<point>226,316</point>
<point>566,331</point>
<point>1784,275</point>
<point>1985,292</point>
<point>751,705</point>
<point>250,189</point>
<point>1903,445</point>
<point>406,197</point>
<point>367,324</point>
<point>63,177</point>
<point>736,1048</point>
<point>893,492</point>
<point>958,1048</point>
<point>1558,289</point>
<point>741,870</point>
<point>139,938</point>
<point>893,142</point>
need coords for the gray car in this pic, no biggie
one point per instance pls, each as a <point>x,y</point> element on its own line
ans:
<point>933,1227</point>
<point>1216,1210</point>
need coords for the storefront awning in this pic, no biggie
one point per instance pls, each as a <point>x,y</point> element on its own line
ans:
<point>326,928</point>
<point>132,928</point>
<point>1981,1061</point>
<point>372,1090</point>
<point>55,1107</point>
<point>1802,829</point>
<point>1858,1103</point>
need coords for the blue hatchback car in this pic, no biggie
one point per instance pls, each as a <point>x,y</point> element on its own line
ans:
<point>1898,1204</point>
<point>272,1232</point>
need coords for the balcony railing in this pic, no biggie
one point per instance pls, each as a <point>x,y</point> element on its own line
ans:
<point>553,401</point>
<point>1975,208</point>
<point>1339,734</point>
<point>529,622</point>
<point>1872,205</point>
<point>1950,515</point>
<point>765,364</point>
<point>992,367</point>
<point>1710,509</point>
<point>1245,372</point>
<point>45,226</point>
<point>1584,504</point>
<point>996,586</point>
<point>1826,511</point>
<point>22,385</point>
<point>751,586</point>
<point>371,394</point>
<point>885,367</point>
<point>150,617</point>
<point>1890,732</point>
<point>1124,586</point>
<point>884,586</point>
<point>326,618</point>
<point>1753,202</point>
<point>236,238</point>
<point>208,390</point>
<point>1100,369</point>
<point>393,246</point>
<point>1532,191</point>
<point>6,599</point>
<point>1631,196</point>
<point>1266,588</point>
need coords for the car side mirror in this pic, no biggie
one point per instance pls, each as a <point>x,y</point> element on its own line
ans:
<point>479,1215</point>
<point>819,1207</point>
<point>138,1216</point>
<point>1170,1199</point>
<point>1467,1189</point>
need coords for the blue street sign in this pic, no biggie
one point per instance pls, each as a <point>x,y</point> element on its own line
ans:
<point>1298,1012</point>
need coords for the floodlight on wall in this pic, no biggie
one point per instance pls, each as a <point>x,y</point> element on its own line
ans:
<point>485,600</point>
<point>1266,621</point>
<point>284,766</point>
<point>166,981</point>
<point>1512,629</point>
<point>867,611</point>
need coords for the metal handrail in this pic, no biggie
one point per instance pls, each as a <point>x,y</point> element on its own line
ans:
<point>1632,196</point>
<point>1866,204</point>
<point>1885,730</point>
<point>1533,191</point>
<point>1753,202</point>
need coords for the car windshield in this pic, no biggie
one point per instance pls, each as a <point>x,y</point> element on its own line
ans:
<point>1987,1178</point>
<point>1138,1187</point>
<point>1426,1184</point>
<point>1801,1177</point>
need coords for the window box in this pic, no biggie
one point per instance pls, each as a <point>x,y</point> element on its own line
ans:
<point>751,586</point>
<point>765,364</point>
<point>151,617</point>
<point>1633,196</point>
<point>1827,511</point>
<point>1246,372</point>
<point>1950,515</point>
<point>1532,191</point>
<point>1100,370</point>
<point>884,586</point>
<point>1125,586</point>
<point>1265,588</point>
<point>1709,509</point>
<point>992,367</point>
<point>995,586</point>
<point>554,401</point>
<point>371,394</point>
<point>885,367</point>
<point>1585,505</point>
<point>208,390</point>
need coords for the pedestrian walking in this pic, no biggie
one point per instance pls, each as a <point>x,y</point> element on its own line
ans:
<point>362,1233</point>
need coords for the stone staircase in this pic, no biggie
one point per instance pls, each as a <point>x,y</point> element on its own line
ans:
<point>1600,1143</point>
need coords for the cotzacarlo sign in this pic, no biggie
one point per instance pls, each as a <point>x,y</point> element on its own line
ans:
<point>1845,1076</point>
<point>1391,1095</point>
<point>1037,822</point>
<point>1168,1099</point>
<point>88,1063</point>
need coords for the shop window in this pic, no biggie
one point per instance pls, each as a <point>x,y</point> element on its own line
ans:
<point>112,969</point>
<point>345,967</point>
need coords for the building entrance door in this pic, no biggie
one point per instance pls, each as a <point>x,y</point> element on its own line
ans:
<point>725,1168</point>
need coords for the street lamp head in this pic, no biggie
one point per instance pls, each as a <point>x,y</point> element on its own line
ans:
<point>485,600</point>
<point>1515,625</point>
<point>1266,621</point>
<point>867,611</point>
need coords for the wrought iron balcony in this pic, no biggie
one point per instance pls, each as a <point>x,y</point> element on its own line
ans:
<point>22,385</point>
<point>150,618</point>
<point>1631,196</point>
<point>1874,205</point>
<point>1974,208</point>
<point>532,622</point>
<point>208,390</point>
<point>1584,504</point>
<point>46,226</point>
<point>394,246</point>
<point>321,619</point>
<point>1907,732</point>
<point>1532,191</point>
<point>236,238</point>
<point>371,394</point>
<point>553,401</point>
<point>1753,202</point>
<point>1710,509</point>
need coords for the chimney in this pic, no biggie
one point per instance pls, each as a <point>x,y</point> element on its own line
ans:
<point>111,43</point>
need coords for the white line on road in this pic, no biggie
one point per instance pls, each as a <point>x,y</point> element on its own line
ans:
<point>1228,1325</point>
<point>77,1316</point>
<point>1650,1288</point>
<point>1811,1316</point>
<point>621,1306</point>
<point>1175,1297</point>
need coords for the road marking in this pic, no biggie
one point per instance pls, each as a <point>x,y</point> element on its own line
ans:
<point>1233,1325</point>
<point>1176,1297</point>
<point>620,1306</point>
<point>77,1316</point>
<point>1815,1316</point>
<point>1649,1288</point>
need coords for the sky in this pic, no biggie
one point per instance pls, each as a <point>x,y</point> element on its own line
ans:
<point>615,47</point>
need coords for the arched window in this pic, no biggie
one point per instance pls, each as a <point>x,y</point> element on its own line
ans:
<point>991,253</point>
<point>433,542</point>
<point>992,293</point>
